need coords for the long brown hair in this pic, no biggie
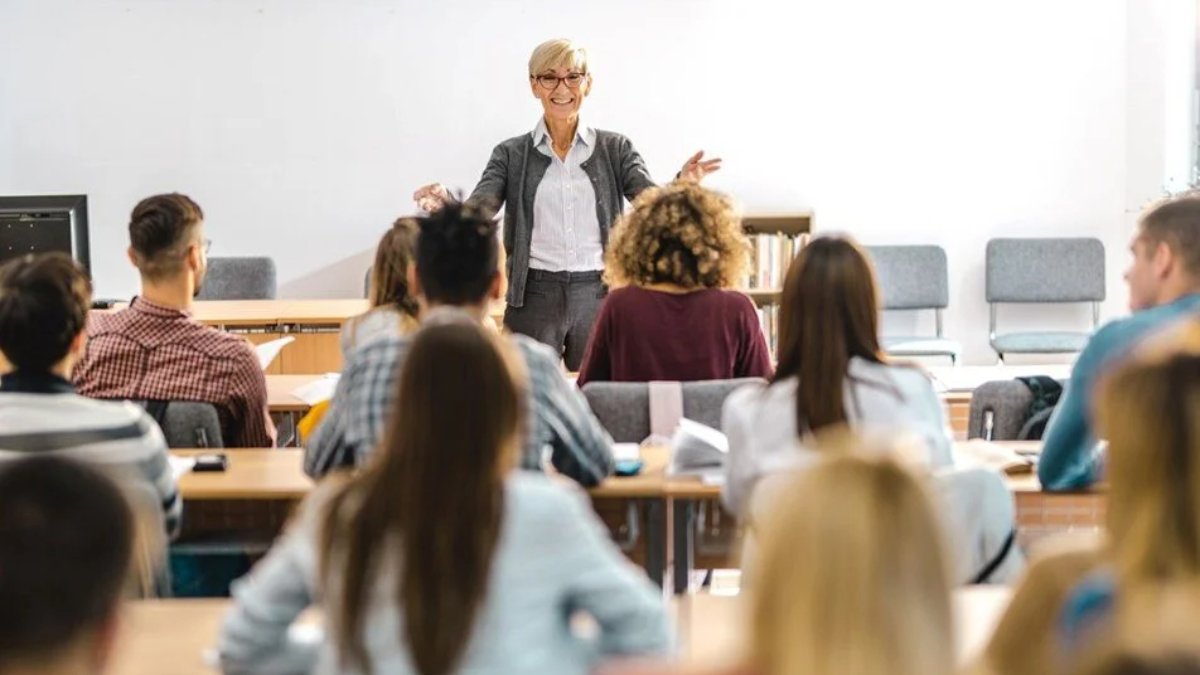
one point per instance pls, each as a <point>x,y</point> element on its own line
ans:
<point>389,273</point>
<point>829,314</point>
<point>432,500</point>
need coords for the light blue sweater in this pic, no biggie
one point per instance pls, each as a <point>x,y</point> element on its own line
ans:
<point>1069,458</point>
<point>554,559</point>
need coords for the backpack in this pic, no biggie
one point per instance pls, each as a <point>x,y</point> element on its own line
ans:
<point>1046,392</point>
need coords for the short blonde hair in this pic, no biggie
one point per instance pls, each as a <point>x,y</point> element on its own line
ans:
<point>681,234</point>
<point>557,53</point>
<point>852,576</point>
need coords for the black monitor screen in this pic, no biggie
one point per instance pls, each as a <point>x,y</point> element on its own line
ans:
<point>44,224</point>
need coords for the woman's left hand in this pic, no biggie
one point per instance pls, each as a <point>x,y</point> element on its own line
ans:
<point>696,168</point>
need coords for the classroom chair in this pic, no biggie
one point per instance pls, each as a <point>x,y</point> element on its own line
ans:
<point>1069,270</point>
<point>623,408</point>
<point>915,278</point>
<point>249,278</point>
<point>186,424</point>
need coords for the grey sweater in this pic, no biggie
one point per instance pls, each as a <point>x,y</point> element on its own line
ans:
<point>512,176</point>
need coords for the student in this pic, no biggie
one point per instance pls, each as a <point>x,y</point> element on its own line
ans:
<point>66,548</point>
<point>155,350</point>
<point>675,256</point>
<point>394,307</point>
<point>439,556</point>
<point>828,343</point>
<point>457,275</point>
<point>44,303</point>
<point>1164,286</point>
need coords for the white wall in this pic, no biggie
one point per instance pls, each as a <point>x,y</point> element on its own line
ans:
<point>302,126</point>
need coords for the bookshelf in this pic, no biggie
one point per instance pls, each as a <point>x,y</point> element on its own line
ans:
<point>775,239</point>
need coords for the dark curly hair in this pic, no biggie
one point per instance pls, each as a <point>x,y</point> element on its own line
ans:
<point>458,253</point>
<point>679,234</point>
<point>44,301</point>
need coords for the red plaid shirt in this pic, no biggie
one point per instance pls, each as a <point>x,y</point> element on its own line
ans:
<point>151,352</point>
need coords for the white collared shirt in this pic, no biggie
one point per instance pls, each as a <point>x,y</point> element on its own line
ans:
<point>566,230</point>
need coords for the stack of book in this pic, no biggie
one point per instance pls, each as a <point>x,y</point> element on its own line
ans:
<point>771,255</point>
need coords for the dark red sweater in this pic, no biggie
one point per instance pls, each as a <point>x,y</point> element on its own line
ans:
<point>642,335</point>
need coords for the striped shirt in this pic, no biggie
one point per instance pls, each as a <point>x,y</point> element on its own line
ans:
<point>560,418</point>
<point>566,227</point>
<point>42,413</point>
<point>151,352</point>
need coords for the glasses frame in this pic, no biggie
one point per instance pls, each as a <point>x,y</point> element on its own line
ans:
<point>559,80</point>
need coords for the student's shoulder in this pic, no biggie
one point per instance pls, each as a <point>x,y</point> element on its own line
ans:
<point>537,356</point>
<point>534,496</point>
<point>736,300</point>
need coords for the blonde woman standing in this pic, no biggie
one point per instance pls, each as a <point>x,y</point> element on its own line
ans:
<point>562,185</point>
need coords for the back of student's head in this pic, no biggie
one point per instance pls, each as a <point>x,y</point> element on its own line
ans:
<point>829,313</point>
<point>850,575</point>
<point>681,234</point>
<point>44,301</point>
<point>1148,411</point>
<point>161,228</point>
<point>458,255</point>
<point>65,549</point>
<point>432,498</point>
<point>389,273</point>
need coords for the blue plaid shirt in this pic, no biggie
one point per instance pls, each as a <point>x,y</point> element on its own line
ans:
<point>559,416</point>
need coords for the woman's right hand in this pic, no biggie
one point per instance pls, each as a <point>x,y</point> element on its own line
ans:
<point>432,197</point>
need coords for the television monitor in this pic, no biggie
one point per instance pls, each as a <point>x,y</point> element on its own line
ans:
<point>42,224</point>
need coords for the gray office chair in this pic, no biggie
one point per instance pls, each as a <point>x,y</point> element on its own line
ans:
<point>187,424</point>
<point>998,410</point>
<point>1043,271</point>
<point>915,278</point>
<point>623,408</point>
<point>239,279</point>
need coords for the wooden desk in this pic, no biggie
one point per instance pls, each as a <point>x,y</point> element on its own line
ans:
<point>258,474</point>
<point>172,636</point>
<point>279,392</point>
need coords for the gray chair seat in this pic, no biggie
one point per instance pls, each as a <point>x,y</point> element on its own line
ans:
<point>1040,342</point>
<point>623,408</point>
<point>922,346</point>
<point>188,424</point>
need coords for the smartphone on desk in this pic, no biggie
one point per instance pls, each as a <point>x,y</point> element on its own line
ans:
<point>627,467</point>
<point>216,461</point>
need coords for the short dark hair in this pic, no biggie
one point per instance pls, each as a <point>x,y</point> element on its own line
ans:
<point>159,230</point>
<point>1176,223</point>
<point>44,302</point>
<point>66,544</point>
<point>458,254</point>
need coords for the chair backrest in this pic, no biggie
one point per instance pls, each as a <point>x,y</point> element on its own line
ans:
<point>251,278</point>
<point>187,424</point>
<point>1045,270</point>
<point>623,408</point>
<point>912,277</point>
<point>1006,403</point>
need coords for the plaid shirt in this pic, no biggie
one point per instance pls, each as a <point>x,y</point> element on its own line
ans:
<point>151,352</point>
<point>559,418</point>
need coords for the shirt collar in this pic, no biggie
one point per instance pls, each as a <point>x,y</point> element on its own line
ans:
<point>22,382</point>
<point>140,304</point>
<point>583,133</point>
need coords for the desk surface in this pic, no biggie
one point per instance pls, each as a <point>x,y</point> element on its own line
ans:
<point>160,636</point>
<point>278,474</point>
<point>279,392</point>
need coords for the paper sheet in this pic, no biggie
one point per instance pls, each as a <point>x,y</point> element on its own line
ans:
<point>623,452</point>
<point>181,465</point>
<point>320,389</point>
<point>267,351</point>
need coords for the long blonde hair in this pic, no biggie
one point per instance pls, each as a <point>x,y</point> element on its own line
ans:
<point>851,575</point>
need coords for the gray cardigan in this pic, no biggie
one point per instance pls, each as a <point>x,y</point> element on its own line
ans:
<point>512,176</point>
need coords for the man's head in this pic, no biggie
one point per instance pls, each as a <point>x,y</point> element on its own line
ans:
<point>166,241</point>
<point>44,302</point>
<point>66,541</point>
<point>459,257</point>
<point>1166,253</point>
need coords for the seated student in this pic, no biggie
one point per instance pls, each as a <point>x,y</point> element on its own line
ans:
<point>674,257</point>
<point>457,275</point>
<point>394,307</point>
<point>1164,286</point>
<point>66,550</point>
<point>44,303</point>
<point>828,343</point>
<point>439,556</point>
<point>155,350</point>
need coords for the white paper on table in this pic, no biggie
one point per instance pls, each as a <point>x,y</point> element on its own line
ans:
<point>320,389</point>
<point>626,452</point>
<point>180,465</point>
<point>267,351</point>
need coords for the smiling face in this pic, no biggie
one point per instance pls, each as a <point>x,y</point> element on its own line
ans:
<point>561,91</point>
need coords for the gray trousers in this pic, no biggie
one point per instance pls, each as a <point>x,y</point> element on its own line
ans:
<point>559,310</point>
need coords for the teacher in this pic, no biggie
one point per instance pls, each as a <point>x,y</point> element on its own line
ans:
<point>563,184</point>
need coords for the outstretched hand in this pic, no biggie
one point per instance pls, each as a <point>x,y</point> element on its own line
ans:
<point>696,168</point>
<point>432,197</point>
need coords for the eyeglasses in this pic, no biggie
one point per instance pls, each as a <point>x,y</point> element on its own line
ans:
<point>550,82</point>
<point>207,243</point>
